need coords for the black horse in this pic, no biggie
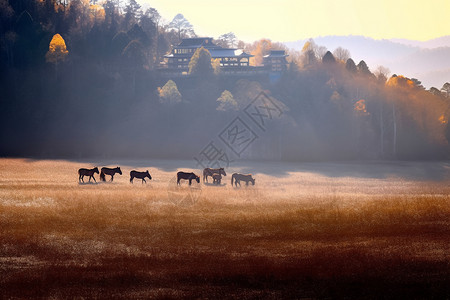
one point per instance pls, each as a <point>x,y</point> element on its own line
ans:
<point>210,172</point>
<point>109,171</point>
<point>140,175</point>
<point>87,172</point>
<point>187,176</point>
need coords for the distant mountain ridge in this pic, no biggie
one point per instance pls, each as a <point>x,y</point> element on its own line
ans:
<point>443,41</point>
<point>428,61</point>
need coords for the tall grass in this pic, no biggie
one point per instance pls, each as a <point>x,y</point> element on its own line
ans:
<point>300,235</point>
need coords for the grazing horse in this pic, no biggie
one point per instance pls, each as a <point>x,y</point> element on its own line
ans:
<point>210,172</point>
<point>87,172</point>
<point>140,175</point>
<point>242,177</point>
<point>109,171</point>
<point>187,176</point>
<point>217,179</point>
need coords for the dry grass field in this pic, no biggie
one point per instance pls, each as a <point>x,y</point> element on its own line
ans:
<point>312,230</point>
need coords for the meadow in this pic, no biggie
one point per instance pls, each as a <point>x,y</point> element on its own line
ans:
<point>305,230</point>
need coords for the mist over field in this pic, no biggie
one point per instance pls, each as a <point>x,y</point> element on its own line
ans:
<point>304,230</point>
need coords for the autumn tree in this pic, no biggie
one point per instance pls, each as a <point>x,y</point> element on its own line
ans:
<point>182,27</point>
<point>57,52</point>
<point>200,63</point>
<point>169,93</point>
<point>261,48</point>
<point>310,53</point>
<point>227,102</point>
<point>341,54</point>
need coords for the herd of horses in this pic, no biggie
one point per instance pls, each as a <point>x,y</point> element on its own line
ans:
<point>215,174</point>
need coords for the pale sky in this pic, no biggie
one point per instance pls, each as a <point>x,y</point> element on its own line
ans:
<point>290,20</point>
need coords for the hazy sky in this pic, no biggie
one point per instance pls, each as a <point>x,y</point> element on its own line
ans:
<point>288,20</point>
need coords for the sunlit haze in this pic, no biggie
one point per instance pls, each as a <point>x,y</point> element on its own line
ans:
<point>287,20</point>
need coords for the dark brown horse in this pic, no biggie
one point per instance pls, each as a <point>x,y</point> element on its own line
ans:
<point>139,175</point>
<point>109,171</point>
<point>242,177</point>
<point>187,176</point>
<point>210,172</point>
<point>87,172</point>
<point>217,179</point>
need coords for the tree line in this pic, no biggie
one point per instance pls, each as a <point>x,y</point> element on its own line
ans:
<point>79,78</point>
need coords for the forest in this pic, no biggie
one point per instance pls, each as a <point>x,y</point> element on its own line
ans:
<point>81,79</point>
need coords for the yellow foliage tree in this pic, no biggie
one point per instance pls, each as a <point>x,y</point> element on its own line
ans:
<point>400,81</point>
<point>57,52</point>
<point>360,108</point>
<point>262,48</point>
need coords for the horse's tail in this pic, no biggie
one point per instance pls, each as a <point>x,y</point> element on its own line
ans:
<point>102,176</point>
<point>232,179</point>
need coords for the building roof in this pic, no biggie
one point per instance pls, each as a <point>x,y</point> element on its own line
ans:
<point>197,43</point>
<point>276,53</point>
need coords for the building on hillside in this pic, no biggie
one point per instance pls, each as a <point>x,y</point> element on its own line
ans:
<point>275,61</point>
<point>232,60</point>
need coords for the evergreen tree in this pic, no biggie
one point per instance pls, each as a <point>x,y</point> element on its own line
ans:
<point>328,58</point>
<point>351,66</point>
<point>200,63</point>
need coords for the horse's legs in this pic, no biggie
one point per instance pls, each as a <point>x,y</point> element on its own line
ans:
<point>178,180</point>
<point>131,179</point>
<point>143,180</point>
<point>246,183</point>
<point>112,177</point>
<point>93,178</point>
<point>190,181</point>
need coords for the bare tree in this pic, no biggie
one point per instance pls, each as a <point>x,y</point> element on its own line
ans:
<point>382,73</point>
<point>228,39</point>
<point>341,54</point>
<point>182,26</point>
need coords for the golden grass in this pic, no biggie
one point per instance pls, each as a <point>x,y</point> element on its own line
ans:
<point>303,234</point>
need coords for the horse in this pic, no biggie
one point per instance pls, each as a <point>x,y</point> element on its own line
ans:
<point>87,172</point>
<point>217,179</point>
<point>210,172</point>
<point>109,171</point>
<point>242,177</point>
<point>140,175</point>
<point>187,176</point>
